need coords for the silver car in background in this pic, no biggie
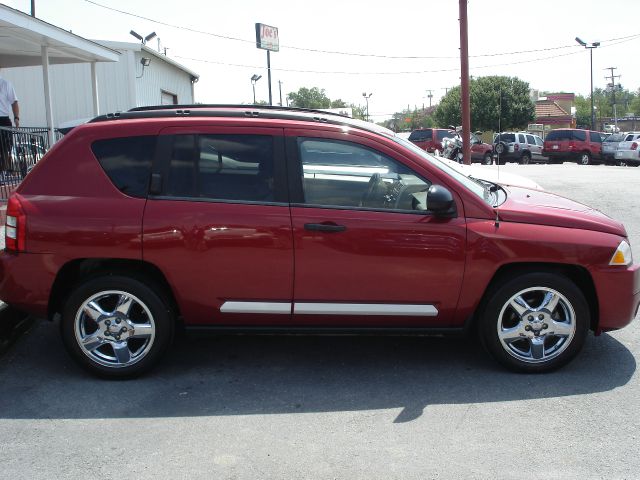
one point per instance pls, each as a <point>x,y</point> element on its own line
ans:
<point>628,151</point>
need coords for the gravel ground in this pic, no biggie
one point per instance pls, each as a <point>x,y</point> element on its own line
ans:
<point>250,407</point>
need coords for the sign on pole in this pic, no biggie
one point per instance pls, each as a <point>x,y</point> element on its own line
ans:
<point>267,37</point>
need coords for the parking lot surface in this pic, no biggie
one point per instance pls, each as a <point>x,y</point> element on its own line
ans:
<point>247,407</point>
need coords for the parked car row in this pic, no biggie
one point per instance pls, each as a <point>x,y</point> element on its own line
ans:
<point>585,147</point>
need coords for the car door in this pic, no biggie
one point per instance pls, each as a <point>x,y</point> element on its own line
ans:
<point>534,148</point>
<point>595,144</point>
<point>540,145</point>
<point>217,224</point>
<point>367,252</point>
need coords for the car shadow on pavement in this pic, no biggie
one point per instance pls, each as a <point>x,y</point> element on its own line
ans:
<point>244,375</point>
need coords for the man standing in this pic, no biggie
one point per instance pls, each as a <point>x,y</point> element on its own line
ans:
<point>8,104</point>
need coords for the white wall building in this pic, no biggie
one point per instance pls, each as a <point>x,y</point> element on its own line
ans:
<point>122,85</point>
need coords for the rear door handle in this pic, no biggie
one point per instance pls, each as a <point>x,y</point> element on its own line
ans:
<point>324,227</point>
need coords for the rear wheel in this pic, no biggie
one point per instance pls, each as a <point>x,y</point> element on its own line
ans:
<point>116,326</point>
<point>585,158</point>
<point>535,322</point>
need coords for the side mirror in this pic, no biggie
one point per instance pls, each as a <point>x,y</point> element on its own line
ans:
<point>440,201</point>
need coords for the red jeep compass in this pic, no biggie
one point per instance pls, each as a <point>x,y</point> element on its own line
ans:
<point>260,219</point>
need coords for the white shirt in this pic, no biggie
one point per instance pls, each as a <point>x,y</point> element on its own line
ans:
<point>7,98</point>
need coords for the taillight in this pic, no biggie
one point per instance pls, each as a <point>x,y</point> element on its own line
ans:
<point>16,226</point>
<point>516,147</point>
<point>634,145</point>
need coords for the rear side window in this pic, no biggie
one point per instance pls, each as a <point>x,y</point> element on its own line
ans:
<point>580,135</point>
<point>222,167</point>
<point>421,135</point>
<point>531,140</point>
<point>559,135</point>
<point>127,162</point>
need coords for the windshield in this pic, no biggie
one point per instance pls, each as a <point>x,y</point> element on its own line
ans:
<point>475,186</point>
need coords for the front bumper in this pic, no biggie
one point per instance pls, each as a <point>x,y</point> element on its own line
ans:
<point>618,291</point>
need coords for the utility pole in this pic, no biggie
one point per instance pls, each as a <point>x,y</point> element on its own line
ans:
<point>33,8</point>
<point>430,96</point>
<point>280,87</point>
<point>612,84</point>
<point>464,80</point>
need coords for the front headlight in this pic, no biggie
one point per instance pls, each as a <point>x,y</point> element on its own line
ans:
<point>622,255</point>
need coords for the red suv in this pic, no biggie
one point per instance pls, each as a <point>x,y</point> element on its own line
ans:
<point>582,146</point>
<point>430,139</point>
<point>257,219</point>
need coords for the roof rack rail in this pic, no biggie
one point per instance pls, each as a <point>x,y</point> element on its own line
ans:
<point>187,106</point>
<point>241,111</point>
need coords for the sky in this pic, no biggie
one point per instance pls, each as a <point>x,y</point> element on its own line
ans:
<point>368,36</point>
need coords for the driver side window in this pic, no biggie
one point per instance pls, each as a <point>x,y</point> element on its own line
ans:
<point>344,174</point>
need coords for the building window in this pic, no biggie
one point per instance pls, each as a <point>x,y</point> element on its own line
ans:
<point>168,98</point>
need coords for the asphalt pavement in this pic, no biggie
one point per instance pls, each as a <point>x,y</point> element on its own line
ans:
<point>277,407</point>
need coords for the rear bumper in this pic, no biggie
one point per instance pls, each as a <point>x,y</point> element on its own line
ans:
<point>26,280</point>
<point>618,291</point>
<point>632,155</point>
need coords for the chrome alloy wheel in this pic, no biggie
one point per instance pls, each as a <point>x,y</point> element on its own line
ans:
<point>536,325</point>
<point>114,328</point>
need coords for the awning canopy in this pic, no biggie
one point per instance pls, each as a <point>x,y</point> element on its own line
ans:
<point>22,38</point>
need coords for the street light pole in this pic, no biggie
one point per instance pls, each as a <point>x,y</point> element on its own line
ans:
<point>367,97</point>
<point>590,47</point>
<point>254,79</point>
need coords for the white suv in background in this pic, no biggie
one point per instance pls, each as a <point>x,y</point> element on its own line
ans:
<point>520,147</point>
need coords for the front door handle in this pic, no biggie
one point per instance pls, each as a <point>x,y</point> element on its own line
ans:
<point>324,227</point>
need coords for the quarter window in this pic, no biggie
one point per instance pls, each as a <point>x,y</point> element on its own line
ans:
<point>222,167</point>
<point>127,162</point>
<point>343,174</point>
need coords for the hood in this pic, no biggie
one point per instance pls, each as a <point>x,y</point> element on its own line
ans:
<point>493,175</point>
<point>544,208</point>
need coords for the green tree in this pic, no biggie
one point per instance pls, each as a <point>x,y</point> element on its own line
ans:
<point>495,100</point>
<point>311,98</point>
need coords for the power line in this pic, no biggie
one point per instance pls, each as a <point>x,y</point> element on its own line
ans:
<point>335,52</point>
<point>410,72</point>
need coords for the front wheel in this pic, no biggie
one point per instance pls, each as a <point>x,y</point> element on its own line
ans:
<point>116,326</point>
<point>536,322</point>
<point>525,159</point>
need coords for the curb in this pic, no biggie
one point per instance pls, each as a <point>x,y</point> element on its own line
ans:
<point>13,324</point>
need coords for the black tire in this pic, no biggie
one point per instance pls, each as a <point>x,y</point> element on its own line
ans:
<point>584,158</point>
<point>501,148</point>
<point>521,330</point>
<point>525,159</point>
<point>153,317</point>
<point>487,159</point>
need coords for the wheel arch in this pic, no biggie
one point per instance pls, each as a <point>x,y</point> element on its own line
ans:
<point>81,269</point>
<point>577,274</point>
